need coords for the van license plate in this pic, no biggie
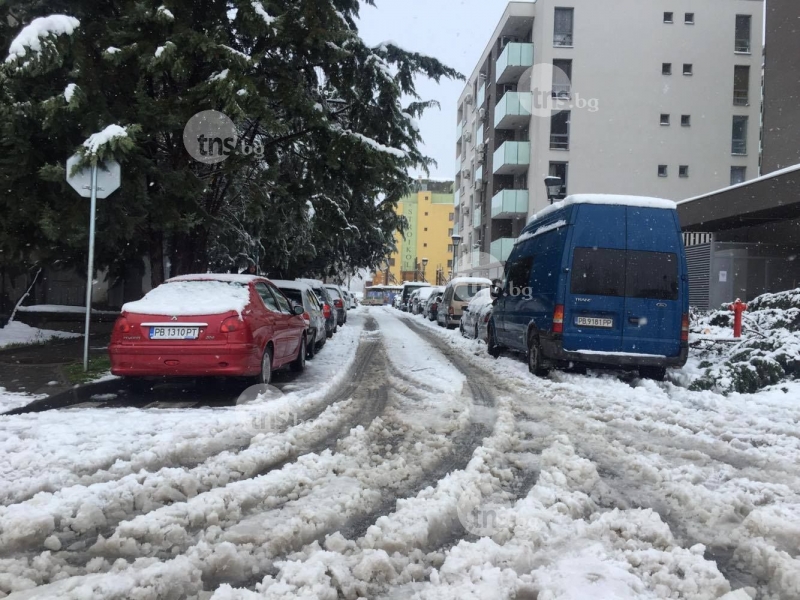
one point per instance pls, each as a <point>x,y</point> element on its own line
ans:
<point>173,333</point>
<point>594,322</point>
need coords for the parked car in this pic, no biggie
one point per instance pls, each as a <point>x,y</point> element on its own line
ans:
<point>209,325</point>
<point>432,304</point>
<point>412,301</point>
<point>456,296</point>
<point>409,287</point>
<point>353,299</point>
<point>475,320</point>
<point>301,294</point>
<point>337,296</point>
<point>328,309</point>
<point>608,287</point>
<point>421,299</point>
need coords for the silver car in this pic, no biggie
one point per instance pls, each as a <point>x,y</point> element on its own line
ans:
<point>301,294</point>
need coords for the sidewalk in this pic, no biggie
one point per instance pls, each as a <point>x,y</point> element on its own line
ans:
<point>40,369</point>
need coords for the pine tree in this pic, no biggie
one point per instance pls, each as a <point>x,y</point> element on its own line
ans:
<point>295,77</point>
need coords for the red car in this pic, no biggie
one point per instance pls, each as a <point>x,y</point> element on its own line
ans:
<point>209,325</point>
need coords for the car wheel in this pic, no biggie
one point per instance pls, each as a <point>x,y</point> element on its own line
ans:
<point>535,364</point>
<point>311,349</point>
<point>328,332</point>
<point>477,333</point>
<point>335,328</point>
<point>265,376</point>
<point>494,349</point>
<point>299,363</point>
<point>654,373</point>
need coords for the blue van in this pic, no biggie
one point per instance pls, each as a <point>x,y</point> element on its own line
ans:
<point>596,280</point>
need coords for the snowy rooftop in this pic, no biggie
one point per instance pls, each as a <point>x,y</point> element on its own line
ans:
<point>610,199</point>
<point>291,285</point>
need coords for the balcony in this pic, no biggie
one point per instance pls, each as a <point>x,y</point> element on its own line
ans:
<point>477,217</point>
<point>513,110</point>
<point>475,259</point>
<point>479,135</point>
<point>457,197</point>
<point>481,96</point>
<point>510,204</point>
<point>479,174</point>
<point>512,158</point>
<point>515,59</point>
<point>455,229</point>
<point>501,249</point>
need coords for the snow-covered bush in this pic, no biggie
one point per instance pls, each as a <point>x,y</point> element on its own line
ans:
<point>768,353</point>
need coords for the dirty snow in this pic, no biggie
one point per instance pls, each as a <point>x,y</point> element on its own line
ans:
<point>20,333</point>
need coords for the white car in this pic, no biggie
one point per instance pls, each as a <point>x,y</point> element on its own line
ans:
<point>475,320</point>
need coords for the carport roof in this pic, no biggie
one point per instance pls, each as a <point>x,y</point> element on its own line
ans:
<point>772,197</point>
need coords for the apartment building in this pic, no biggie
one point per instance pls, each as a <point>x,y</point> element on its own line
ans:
<point>660,99</point>
<point>425,253</point>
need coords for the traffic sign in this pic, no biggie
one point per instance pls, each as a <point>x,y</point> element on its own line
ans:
<point>109,177</point>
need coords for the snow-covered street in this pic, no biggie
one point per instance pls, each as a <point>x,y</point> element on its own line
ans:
<point>407,463</point>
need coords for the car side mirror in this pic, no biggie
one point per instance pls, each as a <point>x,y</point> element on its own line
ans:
<point>298,310</point>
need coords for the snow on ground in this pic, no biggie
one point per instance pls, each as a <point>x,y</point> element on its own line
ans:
<point>20,333</point>
<point>11,400</point>
<point>574,487</point>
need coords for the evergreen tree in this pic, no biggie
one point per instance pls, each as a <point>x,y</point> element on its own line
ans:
<point>295,77</point>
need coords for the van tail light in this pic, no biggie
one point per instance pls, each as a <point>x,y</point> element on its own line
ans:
<point>558,319</point>
<point>231,324</point>
<point>685,327</point>
<point>451,311</point>
<point>326,310</point>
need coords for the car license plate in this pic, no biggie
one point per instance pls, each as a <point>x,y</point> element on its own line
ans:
<point>174,333</point>
<point>594,322</point>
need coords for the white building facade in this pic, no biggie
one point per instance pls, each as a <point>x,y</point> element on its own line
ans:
<point>657,99</point>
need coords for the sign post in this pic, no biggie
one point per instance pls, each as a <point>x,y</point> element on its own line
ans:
<point>98,181</point>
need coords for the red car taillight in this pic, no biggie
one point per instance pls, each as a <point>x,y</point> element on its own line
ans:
<point>307,318</point>
<point>558,319</point>
<point>124,326</point>
<point>231,324</point>
<point>326,310</point>
<point>338,304</point>
<point>685,328</point>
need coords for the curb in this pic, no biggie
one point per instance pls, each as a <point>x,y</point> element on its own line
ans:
<point>76,395</point>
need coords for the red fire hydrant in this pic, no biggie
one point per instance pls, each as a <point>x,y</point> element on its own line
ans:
<point>738,308</point>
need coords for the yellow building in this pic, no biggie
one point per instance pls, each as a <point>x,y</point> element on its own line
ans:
<point>429,212</point>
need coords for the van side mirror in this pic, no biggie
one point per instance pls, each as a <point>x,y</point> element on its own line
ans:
<point>496,291</point>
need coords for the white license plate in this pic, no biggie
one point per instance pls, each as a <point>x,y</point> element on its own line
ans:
<point>174,333</point>
<point>594,322</point>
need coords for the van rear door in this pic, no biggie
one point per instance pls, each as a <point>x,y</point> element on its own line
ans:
<point>653,307</point>
<point>594,303</point>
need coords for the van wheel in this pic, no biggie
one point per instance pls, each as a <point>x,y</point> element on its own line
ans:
<point>312,347</point>
<point>535,357</point>
<point>494,349</point>
<point>265,376</point>
<point>299,363</point>
<point>654,373</point>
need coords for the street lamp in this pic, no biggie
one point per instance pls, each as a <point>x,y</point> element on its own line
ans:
<point>553,185</point>
<point>424,264</point>
<point>456,241</point>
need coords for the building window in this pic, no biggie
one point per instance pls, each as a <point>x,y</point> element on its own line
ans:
<point>564,25</point>
<point>683,171</point>
<point>744,24</point>
<point>562,78</point>
<point>662,170</point>
<point>450,247</point>
<point>452,216</point>
<point>666,68</point>
<point>739,137</point>
<point>424,245</point>
<point>426,214</point>
<point>426,229</point>
<point>450,264</point>
<point>668,17</point>
<point>686,120</point>
<point>664,119</point>
<point>391,262</point>
<point>559,130</point>
<point>560,170</point>
<point>688,18</point>
<point>450,232</point>
<point>688,69</point>
<point>738,175</point>
<point>741,85</point>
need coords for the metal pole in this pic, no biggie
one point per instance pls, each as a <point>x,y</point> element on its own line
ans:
<point>90,269</point>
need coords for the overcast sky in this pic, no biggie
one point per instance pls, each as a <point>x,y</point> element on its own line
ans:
<point>455,32</point>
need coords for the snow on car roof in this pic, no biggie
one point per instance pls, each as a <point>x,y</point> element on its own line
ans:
<point>311,282</point>
<point>481,298</point>
<point>610,199</point>
<point>227,277</point>
<point>467,280</point>
<point>417,283</point>
<point>184,297</point>
<point>291,285</point>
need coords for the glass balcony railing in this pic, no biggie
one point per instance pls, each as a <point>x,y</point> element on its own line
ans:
<point>481,96</point>
<point>457,197</point>
<point>479,174</point>
<point>476,217</point>
<point>479,136</point>
<point>509,204</point>
<point>455,229</point>
<point>512,158</point>
<point>475,258</point>
<point>514,60</point>
<point>513,110</point>
<point>501,249</point>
